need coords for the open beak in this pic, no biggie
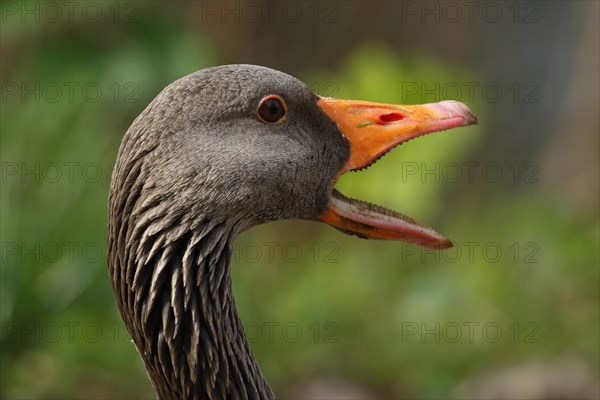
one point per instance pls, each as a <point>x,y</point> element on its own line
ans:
<point>372,130</point>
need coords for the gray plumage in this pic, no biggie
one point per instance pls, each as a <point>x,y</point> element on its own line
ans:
<point>195,169</point>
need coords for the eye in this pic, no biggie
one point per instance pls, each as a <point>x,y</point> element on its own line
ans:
<point>271,109</point>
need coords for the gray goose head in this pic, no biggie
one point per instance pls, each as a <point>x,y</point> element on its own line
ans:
<point>215,153</point>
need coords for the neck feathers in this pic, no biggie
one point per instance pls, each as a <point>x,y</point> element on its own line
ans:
<point>171,277</point>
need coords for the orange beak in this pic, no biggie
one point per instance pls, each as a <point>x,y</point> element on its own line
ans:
<point>372,130</point>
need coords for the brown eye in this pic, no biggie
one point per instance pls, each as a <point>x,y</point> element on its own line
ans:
<point>271,109</point>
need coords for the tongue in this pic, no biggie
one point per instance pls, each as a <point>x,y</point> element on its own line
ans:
<point>375,222</point>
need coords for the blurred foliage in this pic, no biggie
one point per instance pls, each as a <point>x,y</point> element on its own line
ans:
<point>346,304</point>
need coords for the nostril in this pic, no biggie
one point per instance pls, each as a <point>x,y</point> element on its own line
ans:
<point>391,117</point>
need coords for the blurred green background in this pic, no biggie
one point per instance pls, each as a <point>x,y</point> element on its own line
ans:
<point>511,312</point>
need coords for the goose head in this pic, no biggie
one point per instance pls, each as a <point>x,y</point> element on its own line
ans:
<point>215,153</point>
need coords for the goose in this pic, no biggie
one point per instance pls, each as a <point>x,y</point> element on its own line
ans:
<point>215,153</point>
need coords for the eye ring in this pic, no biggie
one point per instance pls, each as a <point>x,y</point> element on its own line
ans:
<point>271,109</point>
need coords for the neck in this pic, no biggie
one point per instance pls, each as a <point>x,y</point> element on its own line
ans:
<point>171,278</point>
